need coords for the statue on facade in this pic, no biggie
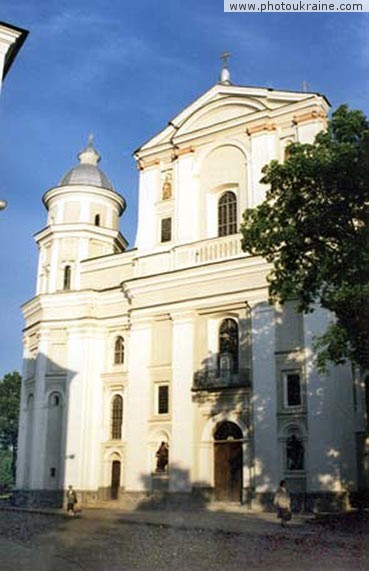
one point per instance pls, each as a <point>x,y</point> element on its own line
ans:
<point>295,453</point>
<point>162,456</point>
<point>167,188</point>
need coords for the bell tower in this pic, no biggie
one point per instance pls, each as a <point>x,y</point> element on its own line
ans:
<point>83,222</point>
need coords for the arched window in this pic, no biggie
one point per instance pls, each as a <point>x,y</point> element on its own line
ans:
<point>97,220</point>
<point>228,346</point>
<point>54,399</point>
<point>119,351</point>
<point>227,214</point>
<point>227,431</point>
<point>67,277</point>
<point>295,452</point>
<point>117,418</point>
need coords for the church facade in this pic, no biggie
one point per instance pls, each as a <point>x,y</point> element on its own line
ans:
<point>163,369</point>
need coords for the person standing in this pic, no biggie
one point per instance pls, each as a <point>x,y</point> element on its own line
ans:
<point>71,500</point>
<point>282,502</point>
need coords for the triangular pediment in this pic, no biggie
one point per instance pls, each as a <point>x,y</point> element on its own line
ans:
<point>219,105</point>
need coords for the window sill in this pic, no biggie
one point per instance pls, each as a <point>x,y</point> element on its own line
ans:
<point>156,417</point>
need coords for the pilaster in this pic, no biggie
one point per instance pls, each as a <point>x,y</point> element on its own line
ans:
<point>138,464</point>
<point>264,399</point>
<point>181,449</point>
<point>22,428</point>
<point>263,150</point>
<point>76,392</point>
<point>39,415</point>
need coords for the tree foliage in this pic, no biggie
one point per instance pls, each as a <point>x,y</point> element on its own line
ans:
<point>313,227</point>
<point>10,388</point>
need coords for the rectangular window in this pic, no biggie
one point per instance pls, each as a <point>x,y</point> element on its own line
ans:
<point>292,388</point>
<point>163,399</point>
<point>166,230</point>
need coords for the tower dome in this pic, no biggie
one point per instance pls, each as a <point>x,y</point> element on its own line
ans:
<point>87,172</point>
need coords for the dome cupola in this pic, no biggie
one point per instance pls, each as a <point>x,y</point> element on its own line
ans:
<point>87,172</point>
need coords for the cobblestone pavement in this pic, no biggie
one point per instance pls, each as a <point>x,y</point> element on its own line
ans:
<point>193,541</point>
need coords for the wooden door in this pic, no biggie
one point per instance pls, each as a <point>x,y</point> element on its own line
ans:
<point>115,479</point>
<point>228,471</point>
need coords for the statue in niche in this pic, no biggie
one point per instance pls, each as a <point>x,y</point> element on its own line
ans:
<point>295,453</point>
<point>162,456</point>
<point>167,187</point>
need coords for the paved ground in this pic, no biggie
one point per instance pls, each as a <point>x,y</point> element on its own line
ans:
<point>102,540</point>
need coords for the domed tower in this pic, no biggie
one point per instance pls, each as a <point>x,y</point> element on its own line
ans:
<point>83,218</point>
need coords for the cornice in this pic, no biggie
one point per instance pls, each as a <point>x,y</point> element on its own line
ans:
<point>75,229</point>
<point>84,190</point>
<point>312,115</point>
<point>250,123</point>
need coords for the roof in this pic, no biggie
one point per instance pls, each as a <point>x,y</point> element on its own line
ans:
<point>19,35</point>
<point>252,99</point>
<point>87,172</point>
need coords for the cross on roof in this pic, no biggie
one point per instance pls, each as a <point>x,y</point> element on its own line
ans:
<point>224,57</point>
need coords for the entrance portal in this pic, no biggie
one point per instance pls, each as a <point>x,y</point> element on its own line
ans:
<point>228,462</point>
<point>115,479</point>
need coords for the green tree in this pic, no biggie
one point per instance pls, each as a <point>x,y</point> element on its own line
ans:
<point>313,228</point>
<point>10,388</point>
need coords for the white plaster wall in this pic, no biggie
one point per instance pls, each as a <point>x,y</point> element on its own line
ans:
<point>222,167</point>
<point>138,406</point>
<point>331,443</point>
<point>54,263</point>
<point>54,452</point>
<point>306,132</point>
<point>264,148</point>
<point>264,400</point>
<point>22,430</point>
<point>149,183</point>
<point>186,197</point>
<point>181,451</point>
<point>39,415</point>
<point>93,401</point>
<point>76,433</point>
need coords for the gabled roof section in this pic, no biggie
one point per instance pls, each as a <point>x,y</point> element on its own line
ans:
<point>222,104</point>
<point>12,37</point>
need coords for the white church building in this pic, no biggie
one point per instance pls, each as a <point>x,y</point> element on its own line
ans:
<point>174,341</point>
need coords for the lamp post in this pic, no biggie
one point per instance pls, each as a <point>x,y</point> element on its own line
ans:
<point>3,204</point>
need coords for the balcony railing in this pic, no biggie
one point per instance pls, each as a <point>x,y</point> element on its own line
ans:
<point>210,250</point>
<point>188,255</point>
<point>213,379</point>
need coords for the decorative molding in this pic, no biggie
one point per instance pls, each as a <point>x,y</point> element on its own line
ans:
<point>142,165</point>
<point>310,116</point>
<point>179,152</point>
<point>259,128</point>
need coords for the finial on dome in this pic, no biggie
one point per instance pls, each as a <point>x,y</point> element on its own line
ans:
<point>89,155</point>
<point>225,76</point>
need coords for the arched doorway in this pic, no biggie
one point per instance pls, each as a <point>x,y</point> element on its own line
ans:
<point>115,479</point>
<point>228,462</point>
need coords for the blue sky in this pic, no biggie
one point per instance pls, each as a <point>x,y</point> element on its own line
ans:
<point>121,70</point>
